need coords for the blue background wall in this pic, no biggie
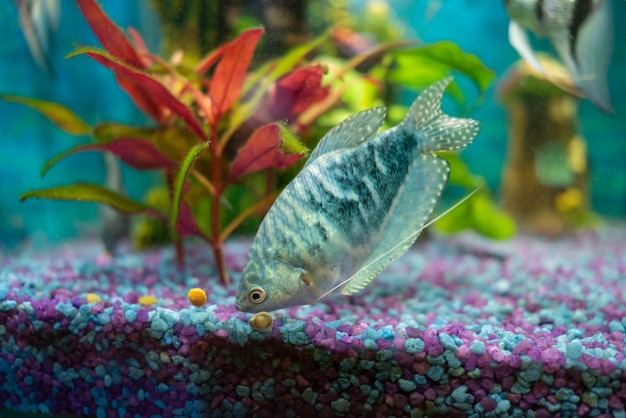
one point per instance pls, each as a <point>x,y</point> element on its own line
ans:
<point>28,140</point>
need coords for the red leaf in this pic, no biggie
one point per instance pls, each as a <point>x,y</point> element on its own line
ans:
<point>211,58</point>
<point>109,34</point>
<point>141,98</point>
<point>135,152</point>
<point>187,225</point>
<point>146,86</point>
<point>141,48</point>
<point>230,73</point>
<point>293,94</point>
<point>263,150</point>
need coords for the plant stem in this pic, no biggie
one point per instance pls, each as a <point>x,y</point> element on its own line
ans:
<point>216,239</point>
<point>178,242</point>
<point>180,252</point>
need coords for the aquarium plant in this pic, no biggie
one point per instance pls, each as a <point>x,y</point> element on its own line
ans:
<point>222,129</point>
<point>216,125</point>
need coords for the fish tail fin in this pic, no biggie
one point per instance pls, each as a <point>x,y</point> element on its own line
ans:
<point>594,47</point>
<point>433,129</point>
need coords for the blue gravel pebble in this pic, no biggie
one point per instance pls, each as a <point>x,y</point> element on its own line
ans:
<point>130,314</point>
<point>341,405</point>
<point>414,345</point>
<point>477,347</point>
<point>406,385</point>
<point>159,324</point>
<point>447,341</point>
<point>460,394</point>
<point>574,350</point>
<point>435,373</point>
<point>616,326</point>
<point>7,305</point>
<point>503,406</point>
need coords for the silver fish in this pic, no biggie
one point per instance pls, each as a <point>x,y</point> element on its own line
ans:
<point>581,31</point>
<point>37,17</point>
<point>358,204</point>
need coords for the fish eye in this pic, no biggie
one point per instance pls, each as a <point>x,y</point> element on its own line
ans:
<point>256,294</point>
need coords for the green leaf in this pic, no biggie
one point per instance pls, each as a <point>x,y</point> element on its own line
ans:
<point>489,220</point>
<point>290,143</point>
<point>480,214</point>
<point>179,185</point>
<point>110,131</point>
<point>58,114</point>
<point>419,67</point>
<point>457,220</point>
<point>460,175</point>
<point>86,192</point>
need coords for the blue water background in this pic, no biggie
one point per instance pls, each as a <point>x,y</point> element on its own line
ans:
<point>27,140</point>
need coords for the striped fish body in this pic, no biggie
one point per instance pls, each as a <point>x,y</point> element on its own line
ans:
<point>581,31</point>
<point>356,205</point>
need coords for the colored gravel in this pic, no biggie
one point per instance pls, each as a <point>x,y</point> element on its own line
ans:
<point>457,327</point>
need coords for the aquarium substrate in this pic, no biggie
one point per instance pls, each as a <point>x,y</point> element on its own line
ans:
<point>456,327</point>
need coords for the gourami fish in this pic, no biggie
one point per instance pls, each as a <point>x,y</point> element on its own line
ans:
<point>359,203</point>
<point>581,31</point>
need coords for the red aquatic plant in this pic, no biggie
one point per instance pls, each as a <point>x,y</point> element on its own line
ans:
<point>215,125</point>
<point>197,111</point>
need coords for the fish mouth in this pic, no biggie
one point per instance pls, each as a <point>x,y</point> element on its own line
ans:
<point>240,304</point>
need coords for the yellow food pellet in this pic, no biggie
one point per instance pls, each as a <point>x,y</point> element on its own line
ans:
<point>196,296</point>
<point>147,300</point>
<point>261,321</point>
<point>92,297</point>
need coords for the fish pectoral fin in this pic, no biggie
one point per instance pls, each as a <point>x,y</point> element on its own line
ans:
<point>352,131</point>
<point>307,278</point>
<point>519,40</point>
<point>413,205</point>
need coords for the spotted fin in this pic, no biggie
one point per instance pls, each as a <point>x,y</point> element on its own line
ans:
<point>414,203</point>
<point>434,130</point>
<point>351,132</point>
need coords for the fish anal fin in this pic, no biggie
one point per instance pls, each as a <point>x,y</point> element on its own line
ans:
<point>414,203</point>
<point>352,131</point>
<point>519,40</point>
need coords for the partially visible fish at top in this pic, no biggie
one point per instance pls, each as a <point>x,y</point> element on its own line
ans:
<point>37,17</point>
<point>581,31</point>
<point>359,203</point>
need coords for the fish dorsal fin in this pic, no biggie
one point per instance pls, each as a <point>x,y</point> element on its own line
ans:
<point>352,131</point>
<point>397,240</point>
